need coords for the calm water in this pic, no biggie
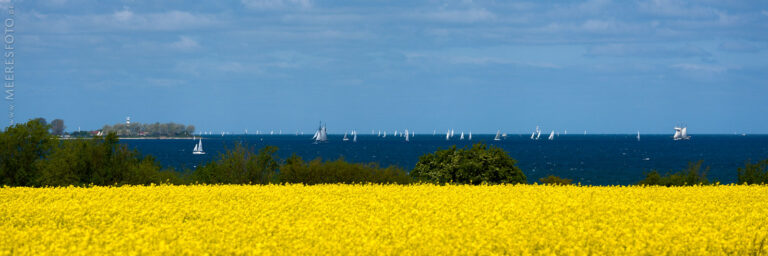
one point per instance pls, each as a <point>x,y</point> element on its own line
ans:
<point>589,159</point>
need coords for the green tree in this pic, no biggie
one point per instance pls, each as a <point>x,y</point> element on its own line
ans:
<point>692,175</point>
<point>475,165</point>
<point>317,171</point>
<point>57,127</point>
<point>554,180</point>
<point>756,173</point>
<point>20,146</point>
<point>240,166</point>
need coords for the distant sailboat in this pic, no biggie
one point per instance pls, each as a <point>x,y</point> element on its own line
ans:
<point>461,137</point>
<point>385,134</point>
<point>470,135</point>
<point>198,150</point>
<point>448,135</point>
<point>451,133</point>
<point>533,135</point>
<point>681,133</point>
<point>321,135</point>
<point>434,132</point>
<point>498,135</point>
<point>551,135</point>
<point>538,133</point>
<point>638,135</point>
<point>354,136</point>
<point>406,135</point>
<point>345,137</point>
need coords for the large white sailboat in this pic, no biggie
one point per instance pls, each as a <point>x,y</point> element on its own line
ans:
<point>498,135</point>
<point>198,150</point>
<point>681,133</point>
<point>321,135</point>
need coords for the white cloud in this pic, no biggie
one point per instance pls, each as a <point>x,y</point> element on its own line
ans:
<point>460,16</point>
<point>277,4</point>
<point>185,43</point>
<point>700,68</point>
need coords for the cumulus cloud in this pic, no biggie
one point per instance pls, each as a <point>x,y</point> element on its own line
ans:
<point>277,4</point>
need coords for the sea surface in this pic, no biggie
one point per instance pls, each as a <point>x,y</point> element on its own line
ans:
<point>588,159</point>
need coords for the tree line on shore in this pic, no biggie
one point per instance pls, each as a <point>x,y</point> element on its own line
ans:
<point>31,156</point>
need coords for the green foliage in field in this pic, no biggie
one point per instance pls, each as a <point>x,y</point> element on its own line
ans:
<point>692,175</point>
<point>555,180</point>
<point>475,165</point>
<point>240,166</point>
<point>20,146</point>
<point>296,170</point>
<point>756,173</point>
<point>99,161</point>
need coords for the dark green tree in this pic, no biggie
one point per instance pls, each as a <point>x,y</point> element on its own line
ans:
<point>475,165</point>
<point>20,146</point>
<point>756,173</point>
<point>692,175</point>
<point>240,166</point>
<point>555,180</point>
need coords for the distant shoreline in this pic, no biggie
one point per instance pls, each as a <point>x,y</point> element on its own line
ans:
<point>138,138</point>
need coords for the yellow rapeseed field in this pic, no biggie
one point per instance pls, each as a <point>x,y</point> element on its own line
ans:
<point>384,219</point>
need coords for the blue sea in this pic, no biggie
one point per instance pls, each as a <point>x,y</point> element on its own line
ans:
<point>589,159</point>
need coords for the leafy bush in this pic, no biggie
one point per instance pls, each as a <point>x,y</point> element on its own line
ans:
<point>99,161</point>
<point>756,173</point>
<point>476,165</point>
<point>240,166</point>
<point>20,146</point>
<point>554,180</point>
<point>296,170</point>
<point>692,175</point>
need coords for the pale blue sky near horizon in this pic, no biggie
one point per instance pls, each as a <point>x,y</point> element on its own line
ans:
<point>597,65</point>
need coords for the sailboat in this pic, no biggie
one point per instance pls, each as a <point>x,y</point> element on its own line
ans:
<point>681,133</point>
<point>385,134</point>
<point>461,137</point>
<point>533,135</point>
<point>354,136</point>
<point>551,135</point>
<point>448,135</point>
<point>498,135</point>
<point>345,137</point>
<point>470,135</point>
<point>321,135</point>
<point>198,150</point>
<point>538,133</point>
<point>406,135</point>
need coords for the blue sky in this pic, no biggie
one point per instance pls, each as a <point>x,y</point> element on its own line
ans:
<point>604,66</point>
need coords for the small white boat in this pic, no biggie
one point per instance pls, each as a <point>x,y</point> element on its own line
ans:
<point>470,135</point>
<point>551,135</point>
<point>448,135</point>
<point>498,135</point>
<point>198,150</point>
<point>461,137</point>
<point>345,137</point>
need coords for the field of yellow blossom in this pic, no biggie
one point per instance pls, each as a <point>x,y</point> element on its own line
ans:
<point>384,219</point>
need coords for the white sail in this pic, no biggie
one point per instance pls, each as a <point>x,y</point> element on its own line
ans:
<point>638,135</point>
<point>461,137</point>
<point>538,134</point>
<point>448,135</point>
<point>354,136</point>
<point>406,135</point>
<point>345,137</point>
<point>198,150</point>
<point>678,134</point>
<point>551,135</point>
<point>533,135</point>
<point>684,133</point>
<point>498,135</point>
<point>451,132</point>
<point>385,134</point>
<point>470,135</point>
<point>321,135</point>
